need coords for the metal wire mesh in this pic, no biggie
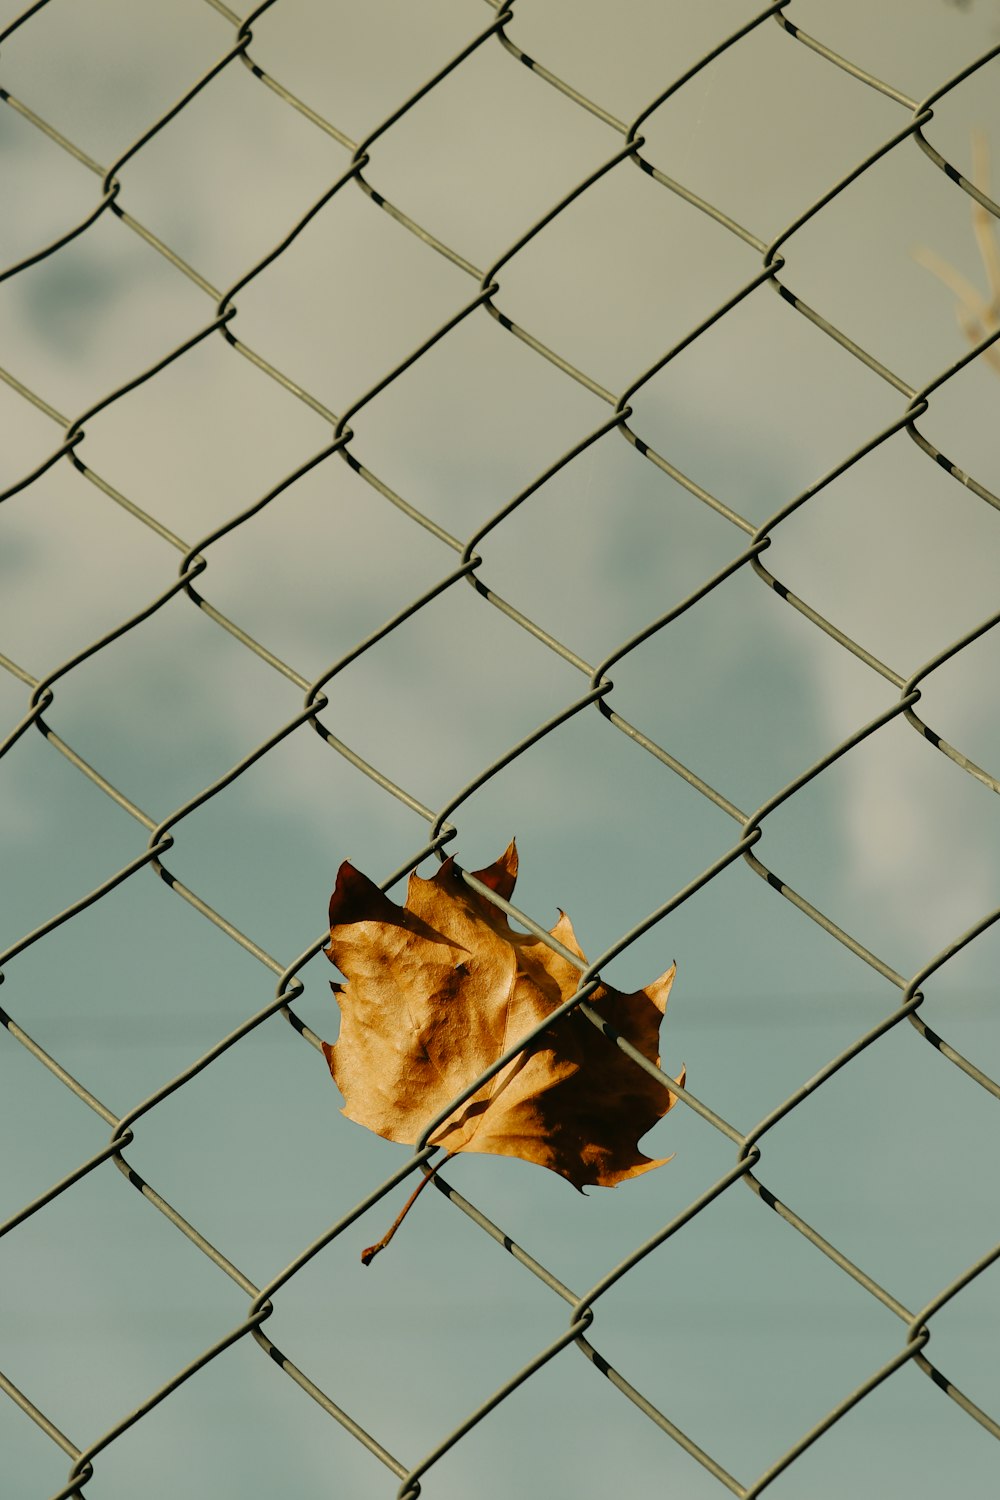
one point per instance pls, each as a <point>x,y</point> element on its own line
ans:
<point>462,564</point>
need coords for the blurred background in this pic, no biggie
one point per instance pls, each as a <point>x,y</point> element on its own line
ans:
<point>737,1329</point>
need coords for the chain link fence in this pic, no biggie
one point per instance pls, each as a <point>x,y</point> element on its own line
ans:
<point>476,667</point>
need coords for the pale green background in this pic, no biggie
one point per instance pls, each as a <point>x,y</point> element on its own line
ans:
<point>737,1329</point>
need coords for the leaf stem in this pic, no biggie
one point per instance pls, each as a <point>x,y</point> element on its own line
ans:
<point>367,1256</point>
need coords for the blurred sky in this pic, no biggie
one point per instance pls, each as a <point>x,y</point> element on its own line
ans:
<point>740,1331</point>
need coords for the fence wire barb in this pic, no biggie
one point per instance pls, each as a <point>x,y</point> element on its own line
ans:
<point>161,832</point>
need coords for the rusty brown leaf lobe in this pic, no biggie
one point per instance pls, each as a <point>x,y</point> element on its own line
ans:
<point>437,990</point>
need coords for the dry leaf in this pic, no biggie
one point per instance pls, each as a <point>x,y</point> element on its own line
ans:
<point>439,989</point>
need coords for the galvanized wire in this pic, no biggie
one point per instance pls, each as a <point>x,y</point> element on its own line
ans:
<point>464,566</point>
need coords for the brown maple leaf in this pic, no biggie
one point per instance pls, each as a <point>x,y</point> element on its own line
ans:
<point>441,988</point>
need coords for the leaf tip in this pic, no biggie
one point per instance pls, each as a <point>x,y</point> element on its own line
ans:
<point>660,988</point>
<point>357,899</point>
<point>501,876</point>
